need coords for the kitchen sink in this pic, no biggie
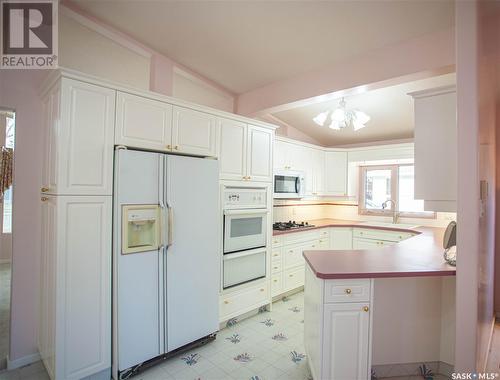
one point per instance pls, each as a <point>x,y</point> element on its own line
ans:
<point>391,225</point>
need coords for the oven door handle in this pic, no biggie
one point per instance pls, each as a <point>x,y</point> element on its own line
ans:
<point>253,211</point>
<point>238,255</point>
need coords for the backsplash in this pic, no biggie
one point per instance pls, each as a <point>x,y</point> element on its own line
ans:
<point>305,210</point>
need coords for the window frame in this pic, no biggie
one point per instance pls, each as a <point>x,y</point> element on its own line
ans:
<point>394,168</point>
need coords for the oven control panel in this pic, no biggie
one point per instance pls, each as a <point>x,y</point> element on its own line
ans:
<point>241,198</point>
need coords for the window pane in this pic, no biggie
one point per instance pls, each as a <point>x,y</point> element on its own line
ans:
<point>406,191</point>
<point>377,188</point>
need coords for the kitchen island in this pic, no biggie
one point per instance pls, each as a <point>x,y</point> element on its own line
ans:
<point>395,301</point>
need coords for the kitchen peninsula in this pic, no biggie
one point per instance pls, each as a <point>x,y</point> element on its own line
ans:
<point>393,301</point>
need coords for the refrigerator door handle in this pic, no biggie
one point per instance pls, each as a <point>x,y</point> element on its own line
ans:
<point>162,223</point>
<point>170,225</point>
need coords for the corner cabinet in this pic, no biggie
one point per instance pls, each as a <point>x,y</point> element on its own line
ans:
<point>155,125</point>
<point>336,173</point>
<point>246,151</point>
<point>78,130</point>
<point>75,317</point>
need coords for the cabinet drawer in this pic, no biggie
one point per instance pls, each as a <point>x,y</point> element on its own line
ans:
<point>293,278</point>
<point>276,266</point>
<point>324,233</point>
<point>347,291</point>
<point>243,301</point>
<point>299,237</point>
<point>276,284</point>
<point>277,241</point>
<point>276,255</point>
<point>395,236</point>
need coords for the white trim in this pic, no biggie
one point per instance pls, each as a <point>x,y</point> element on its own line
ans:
<point>490,340</point>
<point>5,261</point>
<point>21,362</point>
<point>106,32</point>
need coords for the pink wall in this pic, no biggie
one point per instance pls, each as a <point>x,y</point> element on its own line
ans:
<point>18,90</point>
<point>476,102</point>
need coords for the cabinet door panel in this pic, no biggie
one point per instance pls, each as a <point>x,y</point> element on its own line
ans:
<point>194,132</point>
<point>341,238</point>
<point>233,149</point>
<point>260,154</point>
<point>85,145</point>
<point>281,155</point>
<point>143,123</point>
<point>346,341</point>
<point>336,173</point>
<point>52,121</point>
<point>83,312</point>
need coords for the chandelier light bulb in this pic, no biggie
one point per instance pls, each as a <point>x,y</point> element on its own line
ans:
<point>341,117</point>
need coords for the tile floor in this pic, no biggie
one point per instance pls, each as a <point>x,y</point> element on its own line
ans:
<point>267,346</point>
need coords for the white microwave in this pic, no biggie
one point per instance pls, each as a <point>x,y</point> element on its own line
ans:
<point>289,184</point>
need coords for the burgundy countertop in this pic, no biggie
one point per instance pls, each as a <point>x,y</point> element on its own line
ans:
<point>420,255</point>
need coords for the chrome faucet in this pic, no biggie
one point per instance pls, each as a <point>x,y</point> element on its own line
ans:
<point>395,214</point>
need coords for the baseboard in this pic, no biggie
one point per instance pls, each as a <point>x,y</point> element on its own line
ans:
<point>490,340</point>
<point>21,362</point>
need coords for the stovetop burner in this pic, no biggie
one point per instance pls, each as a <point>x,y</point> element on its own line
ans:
<point>282,226</point>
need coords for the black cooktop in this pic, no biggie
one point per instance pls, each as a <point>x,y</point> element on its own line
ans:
<point>282,226</point>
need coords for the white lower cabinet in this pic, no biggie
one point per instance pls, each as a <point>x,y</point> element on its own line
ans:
<point>243,300</point>
<point>341,238</point>
<point>337,327</point>
<point>75,317</point>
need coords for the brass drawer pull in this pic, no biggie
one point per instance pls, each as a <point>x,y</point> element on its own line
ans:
<point>261,289</point>
<point>226,302</point>
<point>169,146</point>
<point>45,189</point>
<point>348,291</point>
<point>275,280</point>
<point>176,147</point>
<point>366,308</point>
<point>44,199</point>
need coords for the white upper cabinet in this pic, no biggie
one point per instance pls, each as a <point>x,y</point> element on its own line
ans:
<point>233,150</point>
<point>260,154</point>
<point>280,155</point>
<point>194,132</point>
<point>318,171</point>
<point>78,139</point>
<point>143,123</point>
<point>436,147</point>
<point>336,173</point>
<point>246,152</point>
<point>159,126</point>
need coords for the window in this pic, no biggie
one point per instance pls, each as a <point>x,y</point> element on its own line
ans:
<point>379,184</point>
<point>7,196</point>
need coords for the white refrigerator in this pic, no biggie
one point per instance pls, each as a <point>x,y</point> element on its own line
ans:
<point>166,267</point>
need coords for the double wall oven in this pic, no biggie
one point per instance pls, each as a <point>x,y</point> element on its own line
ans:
<point>246,219</point>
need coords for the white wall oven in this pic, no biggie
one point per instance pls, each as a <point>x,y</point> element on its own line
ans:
<point>245,235</point>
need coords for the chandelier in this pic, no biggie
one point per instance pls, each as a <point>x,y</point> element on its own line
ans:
<point>341,117</point>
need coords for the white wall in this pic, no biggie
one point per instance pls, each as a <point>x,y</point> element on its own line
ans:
<point>88,51</point>
<point>19,91</point>
<point>189,87</point>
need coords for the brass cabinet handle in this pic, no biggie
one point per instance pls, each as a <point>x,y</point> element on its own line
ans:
<point>314,246</point>
<point>275,267</point>
<point>290,275</point>
<point>366,308</point>
<point>169,146</point>
<point>44,189</point>
<point>275,255</point>
<point>275,280</point>
<point>348,291</point>
<point>261,289</point>
<point>176,147</point>
<point>226,302</point>
<point>249,177</point>
<point>44,199</point>
<point>400,237</point>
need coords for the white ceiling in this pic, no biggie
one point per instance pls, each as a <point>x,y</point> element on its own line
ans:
<point>243,45</point>
<point>390,109</point>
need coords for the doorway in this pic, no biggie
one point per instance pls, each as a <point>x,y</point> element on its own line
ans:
<point>7,141</point>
